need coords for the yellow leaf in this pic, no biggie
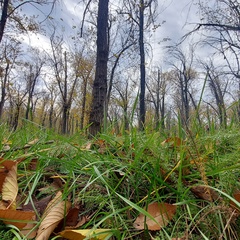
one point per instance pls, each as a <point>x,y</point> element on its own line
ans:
<point>6,142</point>
<point>54,213</point>
<point>100,234</point>
<point>10,187</point>
<point>162,214</point>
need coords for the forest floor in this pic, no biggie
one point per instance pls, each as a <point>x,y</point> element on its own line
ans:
<point>130,186</point>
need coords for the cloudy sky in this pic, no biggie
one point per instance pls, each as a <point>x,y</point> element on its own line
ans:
<point>180,17</point>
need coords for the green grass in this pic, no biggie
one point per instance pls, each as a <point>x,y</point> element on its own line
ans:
<point>113,182</point>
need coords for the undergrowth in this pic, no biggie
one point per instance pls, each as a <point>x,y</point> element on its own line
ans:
<point>113,177</point>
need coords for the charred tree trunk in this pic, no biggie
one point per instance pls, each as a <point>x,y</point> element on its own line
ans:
<point>99,92</point>
<point>142,110</point>
<point>3,90</point>
<point>4,17</point>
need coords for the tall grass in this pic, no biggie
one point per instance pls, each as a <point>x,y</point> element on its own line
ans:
<point>115,180</point>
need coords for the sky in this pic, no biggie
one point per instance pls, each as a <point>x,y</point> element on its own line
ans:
<point>179,17</point>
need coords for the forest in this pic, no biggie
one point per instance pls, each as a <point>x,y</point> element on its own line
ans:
<point>116,125</point>
<point>53,87</point>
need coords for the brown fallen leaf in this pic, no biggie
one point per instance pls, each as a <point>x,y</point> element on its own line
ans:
<point>70,220</point>
<point>236,196</point>
<point>39,205</point>
<point>162,214</point>
<point>17,218</point>
<point>53,214</point>
<point>72,217</point>
<point>205,193</point>
<point>10,187</point>
<point>5,167</point>
<point>173,142</point>
<point>33,164</point>
<point>30,230</point>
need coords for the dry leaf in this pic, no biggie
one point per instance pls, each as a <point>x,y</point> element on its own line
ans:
<point>17,218</point>
<point>6,148</point>
<point>5,167</point>
<point>33,164</point>
<point>31,143</point>
<point>10,187</point>
<point>100,234</point>
<point>29,231</point>
<point>173,142</point>
<point>161,212</point>
<point>54,213</point>
<point>70,220</point>
<point>3,205</point>
<point>236,196</point>
<point>72,217</point>
<point>39,205</point>
<point>205,193</point>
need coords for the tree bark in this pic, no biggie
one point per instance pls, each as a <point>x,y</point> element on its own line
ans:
<point>3,90</point>
<point>84,93</point>
<point>99,92</point>
<point>142,110</point>
<point>3,18</point>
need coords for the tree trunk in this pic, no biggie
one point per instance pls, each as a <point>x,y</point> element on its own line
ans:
<point>16,117</point>
<point>65,118</point>
<point>3,18</point>
<point>83,104</point>
<point>3,90</point>
<point>142,67</point>
<point>99,92</point>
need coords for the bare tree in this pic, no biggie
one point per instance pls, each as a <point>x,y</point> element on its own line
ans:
<point>16,97</point>
<point>158,91</point>
<point>10,53</point>
<point>183,76</point>
<point>11,11</point>
<point>218,82</point>
<point>52,97</point>
<point>66,79</point>
<point>221,26</point>
<point>143,14</point>
<point>84,67</point>
<point>32,78</point>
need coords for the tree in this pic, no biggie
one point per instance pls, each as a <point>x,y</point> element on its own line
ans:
<point>35,68</point>
<point>218,88</point>
<point>16,98</point>
<point>84,66</point>
<point>183,76</point>
<point>219,28</point>
<point>157,89</point>
<point>125,44</point>
<point>99,92</point>
<point>66,79</point>
<point>137,12</point>
<point>52,96</point>
<point>10,53</point>
<point>11,11</point>
<point>220,25</point>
